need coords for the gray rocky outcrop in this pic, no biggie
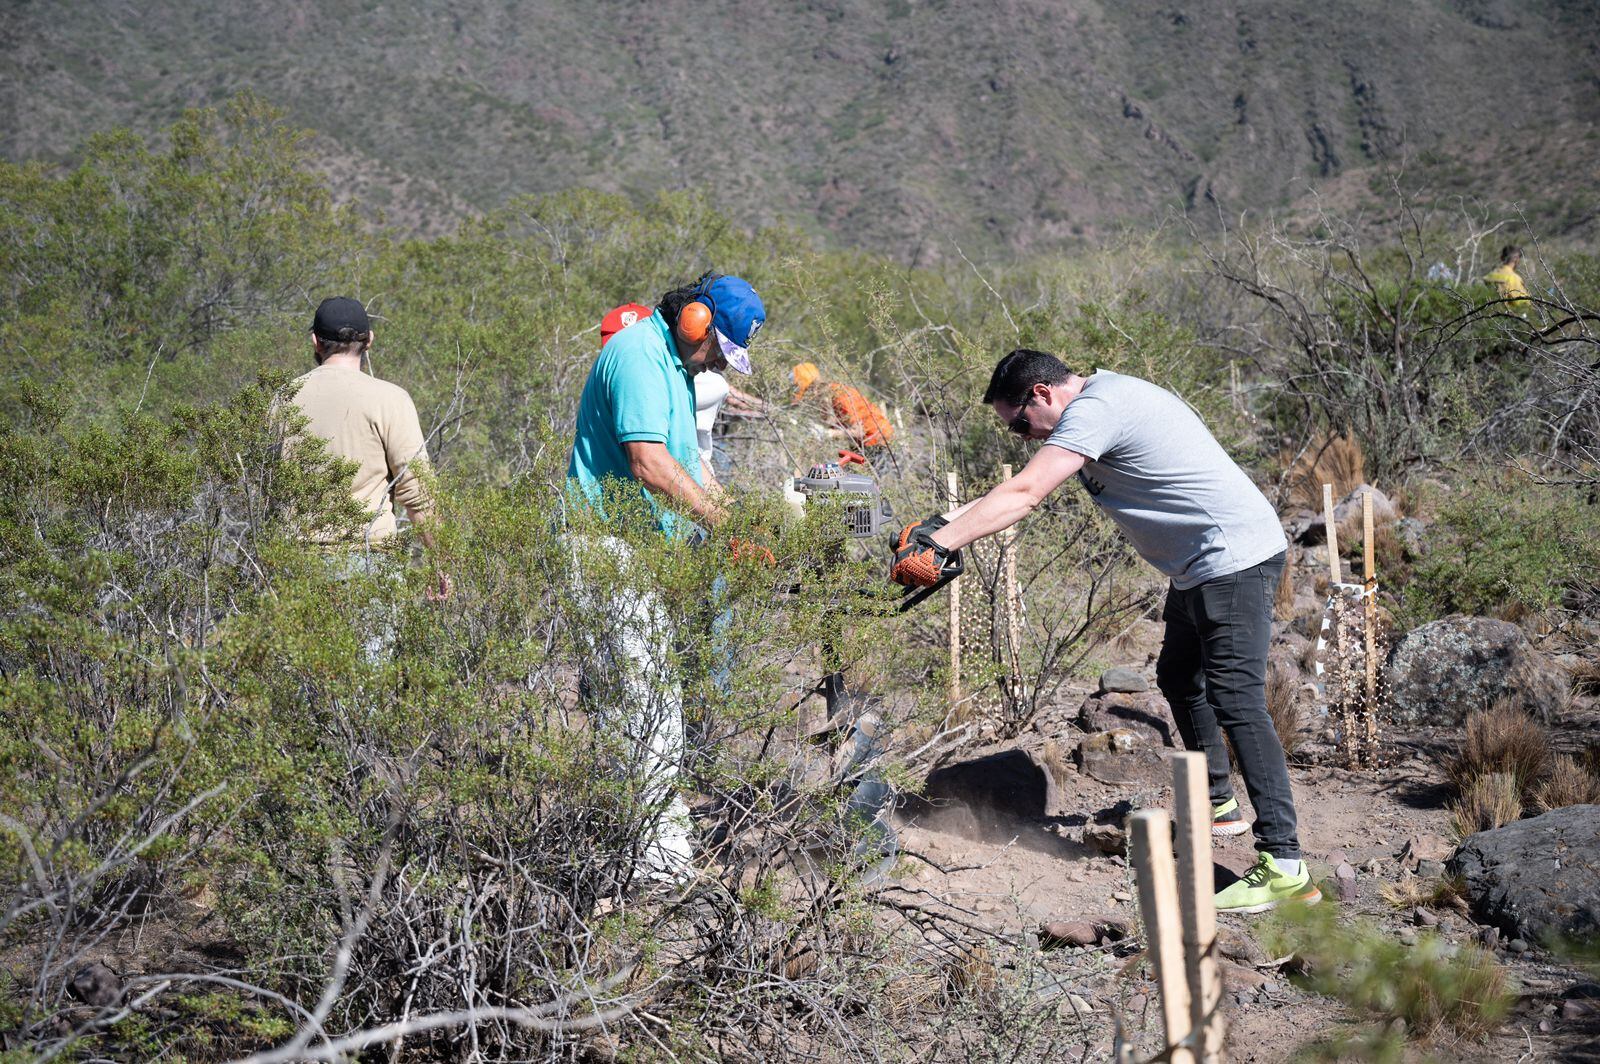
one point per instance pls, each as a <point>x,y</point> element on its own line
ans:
<point>1536,879</point>
<point>1146,713</point>
<point>1442,671</point>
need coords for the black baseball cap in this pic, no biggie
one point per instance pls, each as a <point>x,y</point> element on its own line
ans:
<point>341,319</point>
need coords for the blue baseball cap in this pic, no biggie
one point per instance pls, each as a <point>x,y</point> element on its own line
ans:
<point>739,315</point>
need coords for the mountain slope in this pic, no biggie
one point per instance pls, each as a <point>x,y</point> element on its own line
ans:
<point>898,125</point>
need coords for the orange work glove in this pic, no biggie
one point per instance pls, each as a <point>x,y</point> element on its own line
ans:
<point>918,560</point>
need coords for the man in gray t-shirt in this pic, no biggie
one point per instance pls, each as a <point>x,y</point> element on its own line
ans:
<point>1188,509</point>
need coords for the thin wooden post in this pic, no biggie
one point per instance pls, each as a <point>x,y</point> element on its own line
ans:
<point>1197,899</point>
<point>955,607</point>
<point>1370,601</point>
<point>1008,541</point>
<point>1151,831</point>
<point>1337,675</point>
<point>1335,572</point>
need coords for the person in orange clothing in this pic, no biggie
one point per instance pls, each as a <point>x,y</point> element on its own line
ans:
<point>858,417</point>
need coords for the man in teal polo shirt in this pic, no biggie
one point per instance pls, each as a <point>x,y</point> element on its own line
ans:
<point>636,418</point>
<point>636,428</point>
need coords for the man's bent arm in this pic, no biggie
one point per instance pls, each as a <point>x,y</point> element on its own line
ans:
<point>1010,501</point>
<point>654,467</point>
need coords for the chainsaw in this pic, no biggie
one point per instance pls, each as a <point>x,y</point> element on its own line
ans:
<point>863,512</point>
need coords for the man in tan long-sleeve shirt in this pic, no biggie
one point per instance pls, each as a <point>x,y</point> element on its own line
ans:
<point>370,422</point>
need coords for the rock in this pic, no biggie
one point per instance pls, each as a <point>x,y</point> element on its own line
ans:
<point>1536,878</point>
<point>1123,680</point>
<point>1578,1010</point>
<point>1237,977</point>
<point>1075,933</point>
<point>1383,508</point>
<point>1121,895</point>
<point>1298,527</point>
<point>1080,1007</point>
<point>1425,918</point>
<point>1408,936</point>
<point>1516,945</point>
<point>96,984</point>
<point>1238,946</point>
<point>1442,671</point>
<point>1146,713</point>
<point>997,790</point>
<point>1115,741</point>
<point>1113,929</point>
<point>1411,533</point>
<point>1107,838</point>
<point>1344,882</point>
<point>1545,1026</point>
<point>1427,869</point>
<point>1137,1003</point>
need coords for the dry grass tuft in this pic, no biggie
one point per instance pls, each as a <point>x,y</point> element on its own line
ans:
<point>1055,762</point>
<point>1335,460</point>
<point>1283,704</point>
<point>1568,783</point>
<point>1502,740</point>
<point>1283,600</point>
<point>1447,892</point>
<point>1586,677</point>
<point>1487,802</point>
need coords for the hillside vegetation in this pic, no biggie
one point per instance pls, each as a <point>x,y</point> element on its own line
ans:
<point>898,126</point>
<point>288,843</point>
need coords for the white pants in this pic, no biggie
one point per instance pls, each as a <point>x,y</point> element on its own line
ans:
<point>636,691</point>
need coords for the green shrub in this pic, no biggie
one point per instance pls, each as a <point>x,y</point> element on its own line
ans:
<point>1435,988</point>
<point>1506,547</point>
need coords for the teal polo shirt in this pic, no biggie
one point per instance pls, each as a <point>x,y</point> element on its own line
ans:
<point>638,389</point>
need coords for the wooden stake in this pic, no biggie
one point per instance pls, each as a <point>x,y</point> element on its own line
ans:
<point>1370,599</point>
<point>1336,675</point>
<point>1151,831</point>
<point>1008,540</point>
<point>1197,899</point>
<point>1335,573</point>
<point>955,608</point>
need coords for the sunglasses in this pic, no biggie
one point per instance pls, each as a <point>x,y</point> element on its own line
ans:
<point>1019,421</point>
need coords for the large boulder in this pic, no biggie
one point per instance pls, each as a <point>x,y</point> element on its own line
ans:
<point>1146,713</point>
<point>1536,878</point>
<point>1444,670</point>
<point>990,793</point>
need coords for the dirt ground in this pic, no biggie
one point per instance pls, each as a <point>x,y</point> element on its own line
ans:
<point>1013,873</point>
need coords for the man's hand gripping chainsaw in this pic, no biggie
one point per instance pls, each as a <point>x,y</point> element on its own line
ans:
<point>922,564</point>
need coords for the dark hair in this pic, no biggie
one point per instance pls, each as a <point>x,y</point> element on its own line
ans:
<point>344,346</point>
<point>672,304</point>
<point>1017,373</point>
<point>1509,252</point>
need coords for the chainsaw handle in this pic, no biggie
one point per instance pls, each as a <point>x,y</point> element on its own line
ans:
<point>916,595</point>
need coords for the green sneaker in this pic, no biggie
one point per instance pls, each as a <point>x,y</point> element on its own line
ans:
<point>1226,819</point>
<point>1265,887</point>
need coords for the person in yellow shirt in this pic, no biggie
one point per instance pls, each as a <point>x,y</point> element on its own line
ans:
<point>1507,281</point>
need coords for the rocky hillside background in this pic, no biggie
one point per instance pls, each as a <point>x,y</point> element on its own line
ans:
<point>898,126</point>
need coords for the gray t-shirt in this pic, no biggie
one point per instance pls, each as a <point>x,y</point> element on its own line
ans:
<point>1167,483</point>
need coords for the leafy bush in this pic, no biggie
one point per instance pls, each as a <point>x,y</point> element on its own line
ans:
<point>1508,548</point>
<point>1433,988</point>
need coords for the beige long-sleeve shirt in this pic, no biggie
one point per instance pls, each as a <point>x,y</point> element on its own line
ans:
<point>374,424</point>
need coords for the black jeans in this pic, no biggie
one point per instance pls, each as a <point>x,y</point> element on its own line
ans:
<point>1213,672</point>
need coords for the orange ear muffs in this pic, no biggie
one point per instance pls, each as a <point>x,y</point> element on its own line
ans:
<point>694,322</point>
